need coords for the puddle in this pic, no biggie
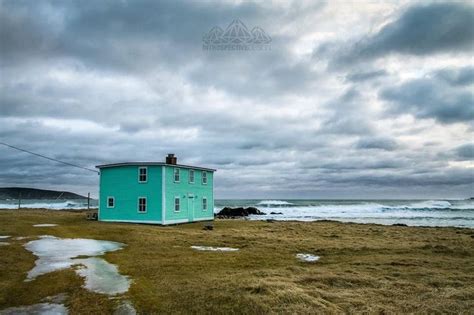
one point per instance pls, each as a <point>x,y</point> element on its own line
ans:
<point>101,276</point>
<point>2,237</point>
<point>42,308</point>
<point>307,257</point>
<point>4,243</point>
<point>57,254</point>
<point>215,249</point>
<point>125,308</point>
<point>56,299</point>
<point>44,225</point>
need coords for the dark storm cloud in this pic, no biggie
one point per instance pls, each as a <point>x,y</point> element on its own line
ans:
<point>457,76</point>
<point>134,38</point>
<point>453,177</point>
<point>100,32</point>
<point>465,152</point>
<point>347,115</point>
<point>358,164</point>
<point>386,144</point>
<point>419,30</point>
<point>365,75</point>
<point>431,98</point>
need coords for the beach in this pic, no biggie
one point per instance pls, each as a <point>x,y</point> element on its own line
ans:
<point>359,267</point>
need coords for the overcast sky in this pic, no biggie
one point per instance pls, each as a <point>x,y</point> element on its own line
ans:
<point>353,100</point>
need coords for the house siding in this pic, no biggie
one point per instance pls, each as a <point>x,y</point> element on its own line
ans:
<point>122,184</point>
<point>190,208</point>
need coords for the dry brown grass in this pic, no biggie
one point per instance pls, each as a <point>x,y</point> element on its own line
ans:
<point>363,268</point>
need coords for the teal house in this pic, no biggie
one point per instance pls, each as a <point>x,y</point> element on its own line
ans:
<point>156,192</point>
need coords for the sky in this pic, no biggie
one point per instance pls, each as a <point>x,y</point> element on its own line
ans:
<point>350,100</point>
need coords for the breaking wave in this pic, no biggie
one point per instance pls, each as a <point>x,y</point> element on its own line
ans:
<point>48,204</point>
<point>270,203</point>
<point>424,212</point>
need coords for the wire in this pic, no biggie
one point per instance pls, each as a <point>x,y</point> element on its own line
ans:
<point>49,158</point>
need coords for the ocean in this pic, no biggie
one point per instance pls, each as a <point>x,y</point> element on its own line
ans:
<point>52,204</point>
<point>458,213</point>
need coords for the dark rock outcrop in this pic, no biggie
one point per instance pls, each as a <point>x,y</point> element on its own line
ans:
<point>276,212</point>
<point>399,224</point>
<point>229,212</point>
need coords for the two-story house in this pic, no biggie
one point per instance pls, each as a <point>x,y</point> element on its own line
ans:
<point>155,192</point>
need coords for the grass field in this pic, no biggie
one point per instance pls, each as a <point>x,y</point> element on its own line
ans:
<point>363,268</point>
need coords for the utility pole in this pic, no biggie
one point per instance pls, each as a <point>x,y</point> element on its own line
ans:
<point>88,200</point>
<point>19,201</point>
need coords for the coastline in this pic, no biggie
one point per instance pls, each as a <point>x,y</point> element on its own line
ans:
<point>252,218</point>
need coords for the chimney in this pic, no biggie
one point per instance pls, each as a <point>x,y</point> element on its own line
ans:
<point>171,159</point>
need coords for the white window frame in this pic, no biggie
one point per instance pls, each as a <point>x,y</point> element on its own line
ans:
<point>179,204</point>
<point>194,176</point>
<point>202,177</point>
<point>108,198</point>
<point>174,175</point>
<point>204,199</point>
<point>138,205</point>
<point>146,174</point>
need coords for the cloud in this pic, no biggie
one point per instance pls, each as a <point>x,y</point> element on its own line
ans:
<point>433,97</point>
<point>104,82</point>
<point>386,144</point>
<point>465,152</point>
<point>365,75</point>
<point>419,30</point>
<point>457,76</point>
<point>346,115</point>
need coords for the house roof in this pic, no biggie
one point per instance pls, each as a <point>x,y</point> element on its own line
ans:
<point>153,164</point>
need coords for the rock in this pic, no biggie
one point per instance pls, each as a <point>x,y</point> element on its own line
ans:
<point>399,224</point>
<point>239,212</point>
<point>276,212</point>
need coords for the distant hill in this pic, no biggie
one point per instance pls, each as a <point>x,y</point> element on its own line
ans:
<point>33,193</point>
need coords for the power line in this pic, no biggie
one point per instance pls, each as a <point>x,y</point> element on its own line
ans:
<point>49,158</point>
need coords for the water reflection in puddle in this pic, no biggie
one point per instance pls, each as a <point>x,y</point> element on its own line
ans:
<point>42,308</point>
<point>57,254</point>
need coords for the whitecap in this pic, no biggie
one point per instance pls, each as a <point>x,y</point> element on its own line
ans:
<point>270,203</point>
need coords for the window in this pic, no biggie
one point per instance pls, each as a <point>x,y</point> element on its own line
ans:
<point>176,204</point>
<point>141,204</point>
<point>176,175</point>
<point>142,174</point>
<point>110,202</point>
<point>204,203</point>
<point>204,178</point>
<point>191,176</point>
